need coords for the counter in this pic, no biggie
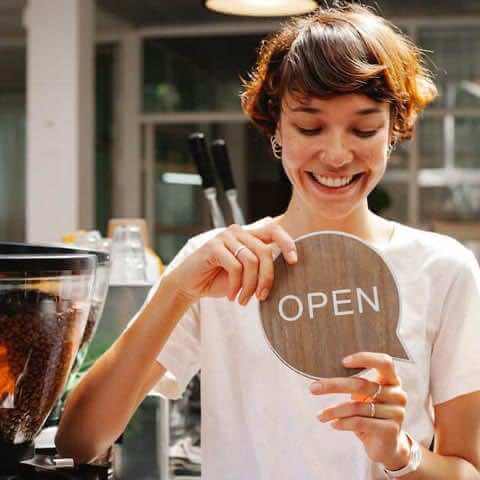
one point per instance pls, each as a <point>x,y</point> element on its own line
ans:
<point>141,453</point>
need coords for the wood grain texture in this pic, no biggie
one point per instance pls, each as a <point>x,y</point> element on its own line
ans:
<point>341,274</point>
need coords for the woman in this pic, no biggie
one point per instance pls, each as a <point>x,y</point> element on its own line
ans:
<point>335,91</point>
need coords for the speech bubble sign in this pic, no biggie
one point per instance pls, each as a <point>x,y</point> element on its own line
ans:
<point>339,298</point>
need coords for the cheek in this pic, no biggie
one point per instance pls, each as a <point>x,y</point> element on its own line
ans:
<point>297,152</point>
<point>373,154</point>
<point>291,159</point>
<point>377,142</point>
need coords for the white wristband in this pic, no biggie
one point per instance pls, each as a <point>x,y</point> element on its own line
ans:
<point>413,462</point>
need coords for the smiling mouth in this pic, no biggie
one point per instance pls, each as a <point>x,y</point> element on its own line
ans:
<point>353,180</point>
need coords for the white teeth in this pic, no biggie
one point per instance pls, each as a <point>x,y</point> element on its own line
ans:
<point>333,182</point>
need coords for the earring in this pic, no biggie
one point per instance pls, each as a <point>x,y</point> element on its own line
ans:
<point>390,149</point>
<point>276,147</point>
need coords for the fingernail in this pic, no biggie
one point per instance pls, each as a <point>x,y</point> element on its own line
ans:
<point>292,256</point>
<point>316,387</point>
<point>264,294</point>
<point>348,359</point>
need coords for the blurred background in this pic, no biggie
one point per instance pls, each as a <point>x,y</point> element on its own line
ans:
<point>97,99</point>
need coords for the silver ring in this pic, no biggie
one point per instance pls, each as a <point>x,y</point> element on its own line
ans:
<point>238,250</point>
<point>372,410</point>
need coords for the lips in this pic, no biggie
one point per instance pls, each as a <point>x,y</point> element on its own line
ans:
<point>329,175</point>
<point>355,178</point>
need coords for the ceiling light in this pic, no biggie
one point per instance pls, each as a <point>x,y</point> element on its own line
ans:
<point>262,8</point>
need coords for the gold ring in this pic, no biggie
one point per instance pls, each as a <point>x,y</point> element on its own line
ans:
<point>238,250</point>
<point>375,395</point>
<point>372,409</point>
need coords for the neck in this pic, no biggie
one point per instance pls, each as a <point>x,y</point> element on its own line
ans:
<point>364,224</point>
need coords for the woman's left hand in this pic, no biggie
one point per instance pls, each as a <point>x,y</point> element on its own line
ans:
<point>380,433</point>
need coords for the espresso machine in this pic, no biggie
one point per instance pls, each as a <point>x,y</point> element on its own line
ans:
<point>51,300</point>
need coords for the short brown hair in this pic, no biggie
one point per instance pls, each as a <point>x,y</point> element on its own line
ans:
<point>343,49</point>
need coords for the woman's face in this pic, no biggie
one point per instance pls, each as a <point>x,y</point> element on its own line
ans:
<point>334,150</point>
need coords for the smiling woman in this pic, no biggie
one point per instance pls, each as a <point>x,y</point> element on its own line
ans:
<point>334,91</point>
<point>334,152</point>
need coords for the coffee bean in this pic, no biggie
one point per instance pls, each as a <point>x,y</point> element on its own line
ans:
<point>39,335</point>
<point>90,329</point>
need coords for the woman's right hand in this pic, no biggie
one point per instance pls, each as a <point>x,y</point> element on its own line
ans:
<point>214,271</point>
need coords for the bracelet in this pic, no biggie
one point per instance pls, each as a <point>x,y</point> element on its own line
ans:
<point>413,462</point>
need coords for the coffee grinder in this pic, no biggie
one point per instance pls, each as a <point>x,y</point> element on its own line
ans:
<point>45,301</point>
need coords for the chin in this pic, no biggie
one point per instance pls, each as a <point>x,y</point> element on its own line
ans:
<point>333,214</point>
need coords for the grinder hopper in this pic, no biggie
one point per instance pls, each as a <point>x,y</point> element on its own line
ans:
<point>44,305</point>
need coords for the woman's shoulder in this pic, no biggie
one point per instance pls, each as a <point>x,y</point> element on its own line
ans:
<point>428,246</point>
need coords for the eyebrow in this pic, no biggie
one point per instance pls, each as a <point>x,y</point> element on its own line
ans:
<point>363,111</point>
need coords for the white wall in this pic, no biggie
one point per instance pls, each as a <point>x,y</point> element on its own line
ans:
<point>60,118</point>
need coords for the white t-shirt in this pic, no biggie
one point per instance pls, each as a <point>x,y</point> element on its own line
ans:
<point>259,417</point>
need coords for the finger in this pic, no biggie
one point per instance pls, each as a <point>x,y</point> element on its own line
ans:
<point>382,428</point>
<point>250,263</point>
<point>388,394</point>
<point>361,409</point>
<point>224,258</point>
<point>354,385</point>
<point>272,232</point>
<point>360,390</point>
<point>266,268</point>
<point>381,362</point>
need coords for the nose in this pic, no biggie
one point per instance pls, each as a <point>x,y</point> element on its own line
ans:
<point>336,153</point>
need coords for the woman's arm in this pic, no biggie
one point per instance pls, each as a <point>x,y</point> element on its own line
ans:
<point>457,442</point>
<point>457,422</point>
<point>100,407</point>
<point>236,263</point>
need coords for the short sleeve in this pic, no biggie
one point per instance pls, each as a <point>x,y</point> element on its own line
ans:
<point>455,361</point>
<point>181,354</point>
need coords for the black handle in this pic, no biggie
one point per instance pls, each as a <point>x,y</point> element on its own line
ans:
<point>222,163</point>
<point>199,152</point>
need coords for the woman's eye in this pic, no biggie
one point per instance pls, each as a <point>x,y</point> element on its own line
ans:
<point>309,131</point>
<point>365,133</point>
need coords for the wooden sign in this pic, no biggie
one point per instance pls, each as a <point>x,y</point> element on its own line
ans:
<point>339,298</point>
